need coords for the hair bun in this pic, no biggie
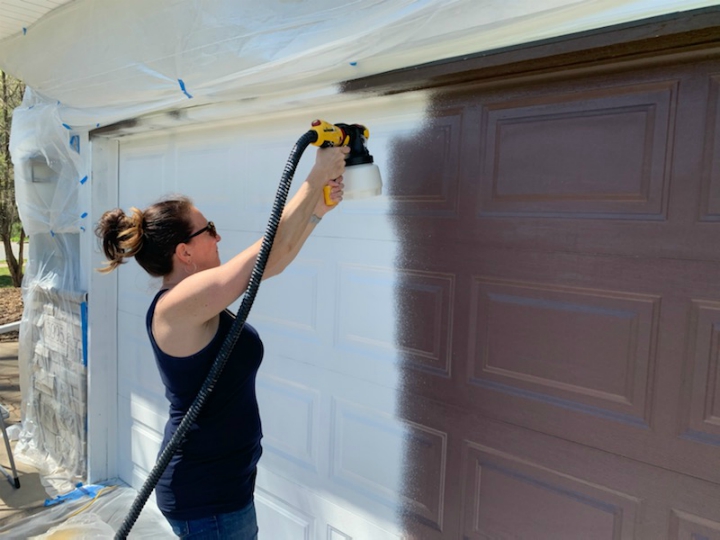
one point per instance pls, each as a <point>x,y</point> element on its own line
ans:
<point>121,235</point>
<point>136,221</point>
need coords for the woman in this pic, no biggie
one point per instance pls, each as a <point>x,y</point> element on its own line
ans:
<point>207,489</point>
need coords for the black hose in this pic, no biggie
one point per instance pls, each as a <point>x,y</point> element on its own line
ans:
<point>227,346</point>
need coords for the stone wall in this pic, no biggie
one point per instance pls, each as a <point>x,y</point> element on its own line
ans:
<point>56,410</point>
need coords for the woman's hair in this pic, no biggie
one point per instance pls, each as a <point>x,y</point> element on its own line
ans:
<point>149,235</point>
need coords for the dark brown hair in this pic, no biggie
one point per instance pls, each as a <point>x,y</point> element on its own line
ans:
<point>149,235</point>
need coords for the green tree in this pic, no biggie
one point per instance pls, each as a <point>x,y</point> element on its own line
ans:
<point>11,93</point>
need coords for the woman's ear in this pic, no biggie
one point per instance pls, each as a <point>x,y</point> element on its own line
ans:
<point>182,253</point>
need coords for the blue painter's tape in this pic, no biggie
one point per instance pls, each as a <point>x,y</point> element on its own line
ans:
<point>75,143</point>
<point>83,215</point>
<point>353,63</point>
<point>82,229</point>
<point>84,323</point>
<point>65,125</point>
<point>24,30</point>
<point>52,233</point>
<point>182,87</point>
<point>97,125</point>
<point>83,179</point>
<point>30,107</point>
<point>88,491</point>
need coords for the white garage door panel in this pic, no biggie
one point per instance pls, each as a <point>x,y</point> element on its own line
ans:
<point>304,511</point>
<point>139,422</point>
<point>291,420</point>
<point>200,165</point>
<point>334,451</point>
<point>291,305</point>
<point>366,450</point>
<point>204,165</point>
<point>364,325</point>
<point>278,519</point>
<point>333,434</point>
<point>348,325</point>
<point>147,164</point>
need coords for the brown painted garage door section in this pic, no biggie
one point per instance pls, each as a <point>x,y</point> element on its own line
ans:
<point>561,292</point>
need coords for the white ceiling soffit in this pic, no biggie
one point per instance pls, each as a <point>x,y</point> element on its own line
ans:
<point>104,60</point>
<point>16,16</point>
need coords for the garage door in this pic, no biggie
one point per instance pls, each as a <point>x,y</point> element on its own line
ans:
<point>328,388</point>
<point>564,232</point>
<point>519,340</point>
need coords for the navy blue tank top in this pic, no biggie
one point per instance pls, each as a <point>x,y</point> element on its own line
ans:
<point>214,470</point>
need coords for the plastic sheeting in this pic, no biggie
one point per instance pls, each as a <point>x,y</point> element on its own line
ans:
<point>105,60</point>
<point>49,160</point>
<point>91,518</point>
<point>95,62</point>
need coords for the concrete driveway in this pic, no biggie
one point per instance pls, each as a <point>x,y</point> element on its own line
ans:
<point>15,503</point>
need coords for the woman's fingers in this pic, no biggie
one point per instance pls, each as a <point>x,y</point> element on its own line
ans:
<point>332,160</point>
<point>336,189</point>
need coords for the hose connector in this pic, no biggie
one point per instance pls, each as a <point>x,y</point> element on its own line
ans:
<point>329,134</point>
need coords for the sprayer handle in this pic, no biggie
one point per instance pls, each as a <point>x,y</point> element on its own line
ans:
<point>326,196</point>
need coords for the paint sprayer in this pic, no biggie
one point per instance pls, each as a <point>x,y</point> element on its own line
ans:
<point>362,176</point>
<point>361,179</point>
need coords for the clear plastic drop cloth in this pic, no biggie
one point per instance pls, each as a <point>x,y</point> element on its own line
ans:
<point>49,176</point>
<point>91,518</point>
<point>102,61</point>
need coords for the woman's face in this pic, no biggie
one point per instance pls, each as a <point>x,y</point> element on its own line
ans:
<point>203,246</point>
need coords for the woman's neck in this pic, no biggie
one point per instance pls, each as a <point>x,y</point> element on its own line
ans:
<point>171,281</point>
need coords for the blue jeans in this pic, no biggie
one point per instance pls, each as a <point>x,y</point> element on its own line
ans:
<point>239,525</point>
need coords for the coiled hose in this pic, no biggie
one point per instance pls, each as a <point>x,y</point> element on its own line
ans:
<point>227,346</point>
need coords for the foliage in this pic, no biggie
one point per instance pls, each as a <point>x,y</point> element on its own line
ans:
<point>5,278</point>
<point>16,230</point>
<point>11,92</point>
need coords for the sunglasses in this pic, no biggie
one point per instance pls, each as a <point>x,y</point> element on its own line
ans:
<point>210,228</point>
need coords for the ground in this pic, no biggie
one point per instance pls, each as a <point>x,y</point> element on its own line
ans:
<point>11,307</point>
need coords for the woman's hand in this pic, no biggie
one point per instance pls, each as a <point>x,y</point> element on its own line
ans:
<point>329,165</point>
<point>336,194</point>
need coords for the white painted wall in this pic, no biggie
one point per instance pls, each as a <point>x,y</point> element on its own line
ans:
<point>333,447</point>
